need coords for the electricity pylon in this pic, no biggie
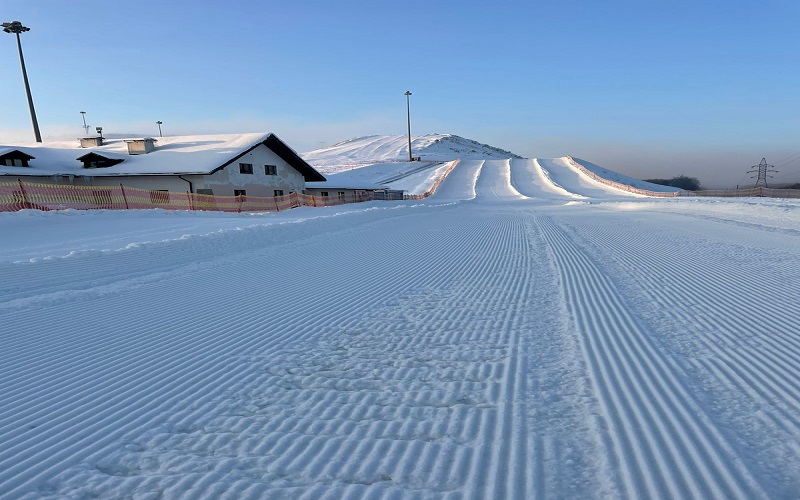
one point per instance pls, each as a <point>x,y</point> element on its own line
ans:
<point>762,169</point>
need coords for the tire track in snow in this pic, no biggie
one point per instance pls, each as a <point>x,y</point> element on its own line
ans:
<point>663,443</point>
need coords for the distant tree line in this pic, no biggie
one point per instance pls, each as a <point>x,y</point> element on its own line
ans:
<point>682,182</point>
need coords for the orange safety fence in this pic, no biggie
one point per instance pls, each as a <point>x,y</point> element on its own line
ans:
<point>24,195</point>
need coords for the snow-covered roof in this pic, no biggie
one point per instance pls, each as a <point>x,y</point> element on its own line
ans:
<point>6,150</point>
<point>188,154</point>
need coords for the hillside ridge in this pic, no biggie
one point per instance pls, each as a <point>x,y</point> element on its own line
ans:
<point>360,151</point>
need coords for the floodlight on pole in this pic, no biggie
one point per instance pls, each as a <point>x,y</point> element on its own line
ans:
<point>159,122</point>
<point>408,116</point>
<point>85,127</point>
<point>16,27</point>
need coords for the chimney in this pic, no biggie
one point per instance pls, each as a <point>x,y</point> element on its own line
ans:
<point>140,146</point>
<point>91,142</point>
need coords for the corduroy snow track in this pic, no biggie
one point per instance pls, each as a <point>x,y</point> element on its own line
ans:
<point>525,332</point>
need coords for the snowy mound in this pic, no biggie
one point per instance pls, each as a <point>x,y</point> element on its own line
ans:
<point>372,149</point>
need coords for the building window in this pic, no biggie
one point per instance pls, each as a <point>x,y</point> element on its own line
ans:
<point>245,168</point>
<point>341,195</point>
<point>15,162</point>
<point>271,169</point>
<point>323,193</point>
<point>278,192</point>
<point>205,191</point>
<point>160,196</point>
<point>239,192</point>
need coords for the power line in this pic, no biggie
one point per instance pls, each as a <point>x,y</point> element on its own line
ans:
<point>793,154</point>
<point>796,157</point>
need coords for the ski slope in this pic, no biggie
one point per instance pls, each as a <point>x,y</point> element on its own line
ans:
<point>520,334</point>
<point>368,150</point>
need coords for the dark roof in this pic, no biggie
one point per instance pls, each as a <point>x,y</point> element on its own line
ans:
<point>108,161</point>
<point>286,153</point>
<point>15,154</point>
<point>95,156</point>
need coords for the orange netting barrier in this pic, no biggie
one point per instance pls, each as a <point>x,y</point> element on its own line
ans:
<point>435,184</point>
<point>24,195</point>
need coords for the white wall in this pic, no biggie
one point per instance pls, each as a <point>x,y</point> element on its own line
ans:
<point>258,183</point>
<point>168,182</point>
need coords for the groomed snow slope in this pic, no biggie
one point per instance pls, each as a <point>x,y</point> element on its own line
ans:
<point>502,339</point>
<point>367,150</point>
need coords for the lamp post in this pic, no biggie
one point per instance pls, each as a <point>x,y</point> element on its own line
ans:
<point>408,115</point>
<point>16,27</point>
<point>85,127</point>
<point>159,128</point>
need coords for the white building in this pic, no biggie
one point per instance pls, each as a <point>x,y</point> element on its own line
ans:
<point>231,164</point>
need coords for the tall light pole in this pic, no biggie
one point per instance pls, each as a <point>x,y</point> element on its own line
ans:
<point>16,27</point>
<point>85,127</point>
<point>408,115</point>
<point>159,122</point>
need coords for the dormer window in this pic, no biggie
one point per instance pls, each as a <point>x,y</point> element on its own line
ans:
<point>94,160</point>
<point>15,158</point>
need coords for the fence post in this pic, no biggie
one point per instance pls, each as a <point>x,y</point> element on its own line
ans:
<point>124,196</point>
<point>191,200</point>
<point>24,194</point>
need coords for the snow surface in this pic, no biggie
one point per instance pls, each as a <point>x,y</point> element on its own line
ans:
<point>363,162</point>
<point>411,177</point>
<point>375,162</point>
<point>372,149</point>
<point>520,334</point>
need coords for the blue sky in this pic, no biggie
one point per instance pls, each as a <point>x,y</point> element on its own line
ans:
<point>647,88</point>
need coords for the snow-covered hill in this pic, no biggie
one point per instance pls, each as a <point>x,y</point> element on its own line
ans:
<point>368,150</point>
<point>364,159</point>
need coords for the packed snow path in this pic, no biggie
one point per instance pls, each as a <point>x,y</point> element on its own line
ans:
<point>507,338</point>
